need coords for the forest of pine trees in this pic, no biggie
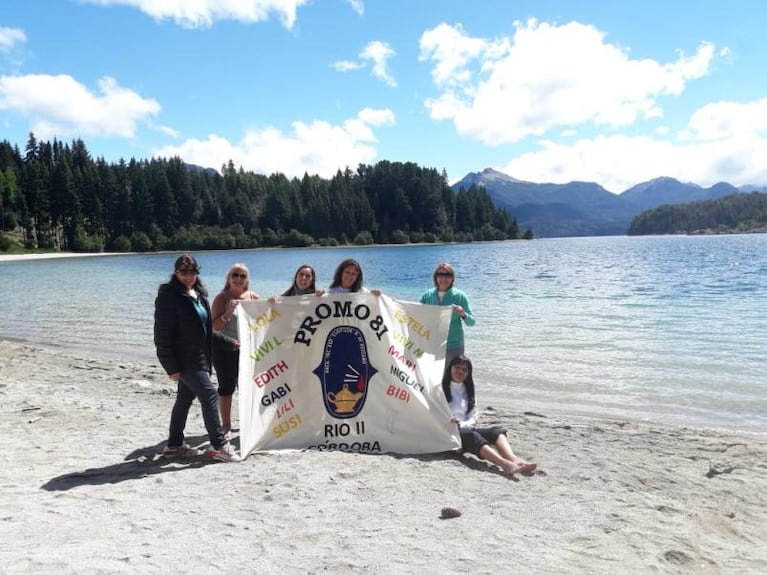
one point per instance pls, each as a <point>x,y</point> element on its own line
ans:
<point>54,196</point>
<point>733,213</point>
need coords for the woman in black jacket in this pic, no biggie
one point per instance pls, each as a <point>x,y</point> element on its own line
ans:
<point>183,336</point>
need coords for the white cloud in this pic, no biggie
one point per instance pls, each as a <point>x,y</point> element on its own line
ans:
<point>315,148</point>
<point>346,65</point>
<point>546,77</point>
<point>59,106</point>
<point>375,53</point>
<point>203,13</point>
<point>452,50</point>
<point>722,142</point>
<point>727,120</point>
<point>376,117</point>
<point>357,5</point>
<point>10,37</point>
<point>168,131</point>
<point>378,53</point>
<point>619,162</point>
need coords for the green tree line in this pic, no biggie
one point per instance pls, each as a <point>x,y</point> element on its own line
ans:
<point>55,196</point>
<point>734,213</point>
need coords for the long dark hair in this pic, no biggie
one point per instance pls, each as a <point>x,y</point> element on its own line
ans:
<point>357,286</point>
<point>468,382</point>
<point>294,290</point>
<point>185,261</point>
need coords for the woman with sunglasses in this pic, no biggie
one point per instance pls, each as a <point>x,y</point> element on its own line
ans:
<point>444,292</point>
<point>488,443</point>
<point>226,349</point>
<point>183,337</point>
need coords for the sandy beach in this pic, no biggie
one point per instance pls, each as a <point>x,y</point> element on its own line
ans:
<point>84,492</point>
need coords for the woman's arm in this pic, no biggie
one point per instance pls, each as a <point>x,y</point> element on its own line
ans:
<point>218,312</point>
<point>462,302</point>
<point>165,332</point>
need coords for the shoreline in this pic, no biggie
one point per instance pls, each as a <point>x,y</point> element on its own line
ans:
<point>55,255</point>
<point>608,496</point>
<point>52,255</point>
<point>489,398</point>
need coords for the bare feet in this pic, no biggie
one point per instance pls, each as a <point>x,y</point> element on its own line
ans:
<point>525,468</point>
<point>509,468</point>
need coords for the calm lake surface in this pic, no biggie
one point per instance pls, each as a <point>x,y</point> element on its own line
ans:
<point>667,328</point>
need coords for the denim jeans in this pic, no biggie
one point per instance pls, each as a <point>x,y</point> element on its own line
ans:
<point>196,384</point>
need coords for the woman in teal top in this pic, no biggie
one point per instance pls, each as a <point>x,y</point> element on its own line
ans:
<point>445,293</point>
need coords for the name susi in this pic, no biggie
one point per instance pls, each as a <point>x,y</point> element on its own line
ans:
<point>338,309</point>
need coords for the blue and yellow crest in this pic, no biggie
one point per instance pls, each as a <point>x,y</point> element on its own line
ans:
<point>345,372</point>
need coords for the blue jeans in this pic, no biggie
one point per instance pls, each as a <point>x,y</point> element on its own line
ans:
<point>196,384</point>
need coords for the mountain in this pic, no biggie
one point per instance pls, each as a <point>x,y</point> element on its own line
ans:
<point>582,208</point>
<point>748,188</point>
<point>196,168</point>
<point>550,210</point>
<point>661,191</point>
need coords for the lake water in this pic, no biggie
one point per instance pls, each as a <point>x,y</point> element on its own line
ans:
<point>667,328</point>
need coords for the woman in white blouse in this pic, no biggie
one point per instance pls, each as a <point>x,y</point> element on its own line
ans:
<point>488,443</point>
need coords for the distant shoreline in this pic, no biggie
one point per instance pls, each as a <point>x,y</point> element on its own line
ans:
<point>55,255</point>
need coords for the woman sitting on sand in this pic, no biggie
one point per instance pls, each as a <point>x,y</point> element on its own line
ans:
<point>488,443</point>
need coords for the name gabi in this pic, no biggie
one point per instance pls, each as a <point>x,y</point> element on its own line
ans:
<point>337,309</point>
<point>277,394</point>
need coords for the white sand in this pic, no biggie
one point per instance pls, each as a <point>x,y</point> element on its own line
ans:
<point>81,491</point>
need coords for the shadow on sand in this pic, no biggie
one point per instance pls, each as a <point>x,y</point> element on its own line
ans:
<point>139,463</point>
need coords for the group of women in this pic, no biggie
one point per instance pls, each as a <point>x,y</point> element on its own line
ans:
<point>192,338</point>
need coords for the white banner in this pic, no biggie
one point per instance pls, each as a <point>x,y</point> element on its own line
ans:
<point>353,372</point>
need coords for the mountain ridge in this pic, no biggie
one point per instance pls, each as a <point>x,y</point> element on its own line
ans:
<point>585,208</point>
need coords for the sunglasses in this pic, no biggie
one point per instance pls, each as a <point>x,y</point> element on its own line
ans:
<point>235,275</point>
<point>188,272</point>
<point>444,275</point>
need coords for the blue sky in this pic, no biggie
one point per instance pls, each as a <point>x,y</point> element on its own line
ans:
<point>546,91</point>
